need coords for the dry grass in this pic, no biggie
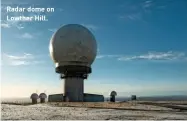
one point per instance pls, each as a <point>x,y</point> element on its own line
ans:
<point>110,105</point>
<point>16,102</point>
<point>180,105</point>
<point>105,105</point>
<point>165,102</point>
<point>152,105</point>
<point>91,104</point>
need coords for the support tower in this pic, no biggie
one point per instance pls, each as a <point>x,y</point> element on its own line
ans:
<point>73,49</point>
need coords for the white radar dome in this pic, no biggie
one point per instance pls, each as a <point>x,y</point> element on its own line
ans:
<point>34,96</point>
<point>73,44</point>
<point>42,95</point>
<point>113,93</point>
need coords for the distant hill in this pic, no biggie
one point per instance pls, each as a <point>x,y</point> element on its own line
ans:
<point>164,98</point>
<point>16,100</point>
<point>141,98</point>
<point>154,98</point>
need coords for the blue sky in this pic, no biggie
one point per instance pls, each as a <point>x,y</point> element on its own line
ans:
<point>142,46</point>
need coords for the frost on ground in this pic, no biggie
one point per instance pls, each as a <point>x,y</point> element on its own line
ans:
<point>50,112</point>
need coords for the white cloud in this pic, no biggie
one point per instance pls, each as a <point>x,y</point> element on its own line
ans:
<point>18,62</point>
<point>15,60</point>
<point>91,26</point>
<point>108,56</point>
<point>19,26</point>
<point>24,62</point>
<point>169,56</point>
<point>132,16</point>
<point>147,4</point>
<point>126,58</point>
<point>10,24</point>
<point>155,56</point>
<point>100,56</point>
<point>5,25</point>
<point>24,56</point>
<point>52,30</point>
<point>138,11</point>
<point>26,36</point>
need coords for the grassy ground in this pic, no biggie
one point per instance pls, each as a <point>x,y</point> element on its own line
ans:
<point>180,105</point>
<point>16,102</point>
<point>90,111</point>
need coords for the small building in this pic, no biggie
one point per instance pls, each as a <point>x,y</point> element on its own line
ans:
<point>93,98</point>
<point>87,98</point>
<point>56,98</point>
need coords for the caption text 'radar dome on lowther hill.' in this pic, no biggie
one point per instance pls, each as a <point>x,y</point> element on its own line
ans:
<point>73,49</point>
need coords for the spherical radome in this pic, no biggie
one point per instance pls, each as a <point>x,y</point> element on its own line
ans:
<point>73,44</point>
<point>34,96</point>
<point>42,95</point>
<point>113,93</point>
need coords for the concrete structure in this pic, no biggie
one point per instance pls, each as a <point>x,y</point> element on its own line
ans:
<point>34,98</point>
<point>112,96</point>
<point>133,97</point>
<point>87,98</point>
<point>56,98</point>
<point>73,49</point>
<point>93,98</point>
<point>74,89</point>
<point>42,97</point>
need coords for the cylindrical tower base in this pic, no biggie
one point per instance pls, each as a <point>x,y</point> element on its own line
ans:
<point>42,100</point>
<point>34,101</point>
<point>112,99</point>
<point>74,89</point>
